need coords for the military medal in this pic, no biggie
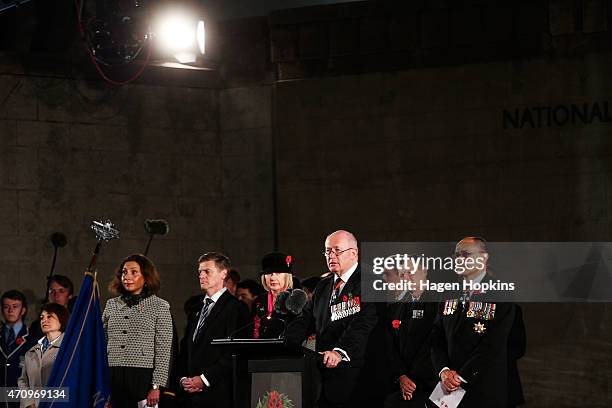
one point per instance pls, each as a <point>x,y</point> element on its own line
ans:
<point>470,311</point>
<point>490,314</point>
<point>475,310</point>
<point>450,306</point>
<point>348,306</point>
<point>478,311</point>
<point>479,328</point>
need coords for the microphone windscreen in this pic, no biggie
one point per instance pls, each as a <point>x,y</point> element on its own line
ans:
<point>296,301</point>
<point>280,305</point>
<point>58,239</point>
<point>157,227</point>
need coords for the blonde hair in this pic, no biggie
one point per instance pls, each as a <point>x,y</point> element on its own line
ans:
<point>288,281</point>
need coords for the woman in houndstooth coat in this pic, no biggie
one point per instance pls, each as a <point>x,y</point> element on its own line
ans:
<point>138,327</point>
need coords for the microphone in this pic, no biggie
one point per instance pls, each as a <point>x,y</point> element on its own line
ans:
<point>58,240</point>
<point>280,307</point>
<point>292,303</point>
<point>296,301</point>
<point>157,227</point>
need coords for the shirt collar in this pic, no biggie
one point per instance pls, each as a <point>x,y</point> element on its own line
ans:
<point>16,327</point>
<point>55,341</point>
<point>215,296</point>
<point>347,275</point>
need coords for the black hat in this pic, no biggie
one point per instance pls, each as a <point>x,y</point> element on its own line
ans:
<point>276,262</point>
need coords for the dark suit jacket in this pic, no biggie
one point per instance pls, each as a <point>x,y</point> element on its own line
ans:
<point>199,357</point>
<point>350,333</point>
<point>409,345</point>
<point>10,357</point>
<point>481,358</point>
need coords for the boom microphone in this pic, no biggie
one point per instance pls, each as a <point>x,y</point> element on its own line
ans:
<point>58,240</point>
<point>157,227</point>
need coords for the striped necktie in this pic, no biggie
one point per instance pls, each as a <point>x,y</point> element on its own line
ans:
<point>10,338</point>
<point>203,315</point>
<point>336,291</point>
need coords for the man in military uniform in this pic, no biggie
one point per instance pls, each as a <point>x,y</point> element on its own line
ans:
<point>409,322</point>
<point>470,337</point>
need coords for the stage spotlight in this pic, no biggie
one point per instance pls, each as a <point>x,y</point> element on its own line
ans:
<point>181,36</point>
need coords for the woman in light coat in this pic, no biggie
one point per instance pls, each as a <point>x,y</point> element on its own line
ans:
<point>38,361</point>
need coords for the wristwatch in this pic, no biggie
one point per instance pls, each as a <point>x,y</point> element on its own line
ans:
<point>155,386</point>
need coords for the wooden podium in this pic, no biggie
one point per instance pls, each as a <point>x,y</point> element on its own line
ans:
<point>266,369</point>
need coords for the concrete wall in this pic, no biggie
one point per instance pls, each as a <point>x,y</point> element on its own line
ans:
<point>248,197</point>
<point>73,151</point>
<point>423,155</point>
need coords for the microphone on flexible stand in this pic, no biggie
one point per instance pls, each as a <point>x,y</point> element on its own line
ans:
<point>155,227</point>
<point>287,303</point>
<point>279,307</point>
<point>58,240</point>
<point>293,303</point>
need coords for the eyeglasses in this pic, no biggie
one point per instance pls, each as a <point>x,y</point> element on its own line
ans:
<point>327,253</point>
<point>54,291</point>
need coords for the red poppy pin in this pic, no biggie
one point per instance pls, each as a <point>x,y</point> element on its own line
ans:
<point>345,298</point>
<point>19,341</point>
<point>396,324</point>
<point>288,260</point>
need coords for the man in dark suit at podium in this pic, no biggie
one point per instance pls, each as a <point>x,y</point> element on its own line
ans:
<point>205,371</point>
<point>341,321</point>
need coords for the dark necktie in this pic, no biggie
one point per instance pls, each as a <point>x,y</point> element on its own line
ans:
<point>45,345</point>
<point>203,315</point>
<point>336,292</point>
<point>10,338</point>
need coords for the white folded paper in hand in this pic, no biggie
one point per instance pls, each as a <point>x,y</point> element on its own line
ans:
<point>143,404</point>
<point>446,400</point>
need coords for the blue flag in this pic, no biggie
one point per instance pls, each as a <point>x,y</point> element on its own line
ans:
<point>81,363</point>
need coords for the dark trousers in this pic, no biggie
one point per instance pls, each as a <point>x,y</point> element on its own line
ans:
<point>129,385</point>
<point>339,387</point>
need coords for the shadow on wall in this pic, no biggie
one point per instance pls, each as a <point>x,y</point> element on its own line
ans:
<point>567,363</point>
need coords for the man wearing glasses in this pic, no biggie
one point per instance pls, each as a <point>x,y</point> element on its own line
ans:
<point>470,335</point>
<point>341,321</point>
